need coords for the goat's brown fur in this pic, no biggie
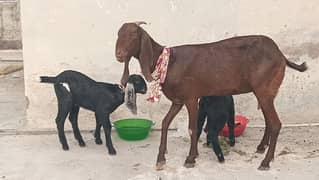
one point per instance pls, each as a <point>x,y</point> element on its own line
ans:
<point>232,66</point>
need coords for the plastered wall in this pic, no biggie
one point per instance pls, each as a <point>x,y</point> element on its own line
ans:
<point>81,35</point>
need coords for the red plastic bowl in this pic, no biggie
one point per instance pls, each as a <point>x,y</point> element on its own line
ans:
<point>240,125</point>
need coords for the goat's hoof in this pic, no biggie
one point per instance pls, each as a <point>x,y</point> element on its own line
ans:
<point>65,147</point>
<point>232,143</point>
<point>81,143</point>
<point>160,165</point>
<point>189,165</point>
<point>98,141</point>
<point>263,168</point>
<point>112,152</point>
<point>221,159</point>
<point>190,162</point>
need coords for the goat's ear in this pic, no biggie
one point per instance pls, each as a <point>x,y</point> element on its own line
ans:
<point>125,74</point>
<point>130,97</point>
<point>146,56</point>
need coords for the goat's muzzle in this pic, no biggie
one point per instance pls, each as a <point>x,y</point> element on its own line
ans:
<point>120,59</point>
<point>121,56</point>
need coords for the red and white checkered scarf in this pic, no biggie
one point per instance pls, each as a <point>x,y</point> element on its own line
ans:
<point>159,76</point>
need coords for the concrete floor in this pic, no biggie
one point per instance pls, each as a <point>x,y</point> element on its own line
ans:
<point>41,157</point>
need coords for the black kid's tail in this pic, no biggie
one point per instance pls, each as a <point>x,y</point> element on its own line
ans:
<point>47,79</point>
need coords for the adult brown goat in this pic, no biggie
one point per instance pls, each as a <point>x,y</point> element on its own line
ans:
<point>233,66</point>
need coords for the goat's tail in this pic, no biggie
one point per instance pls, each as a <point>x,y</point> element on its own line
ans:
<point>47,79</point>
<point>303,67</point>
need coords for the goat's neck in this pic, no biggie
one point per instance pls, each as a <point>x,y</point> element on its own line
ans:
<point>157,51</point>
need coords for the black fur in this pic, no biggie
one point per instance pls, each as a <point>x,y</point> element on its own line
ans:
<point>218,110</point>
<point>102,98</point>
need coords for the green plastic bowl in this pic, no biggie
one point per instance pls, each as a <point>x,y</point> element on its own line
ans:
<point>133,129</point>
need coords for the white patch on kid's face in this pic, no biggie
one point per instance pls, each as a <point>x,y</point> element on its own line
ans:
<point>67,87</point>
<point>130,98</point>
<point>190,132</point>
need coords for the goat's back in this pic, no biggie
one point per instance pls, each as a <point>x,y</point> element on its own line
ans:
<point>88,93</point>
<point>232,66</point>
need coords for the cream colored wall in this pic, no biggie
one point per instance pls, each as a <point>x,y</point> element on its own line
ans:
<point>81,35</point>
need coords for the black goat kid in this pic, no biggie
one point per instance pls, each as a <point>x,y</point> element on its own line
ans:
<point>74,90</point>
<point>218,110</point>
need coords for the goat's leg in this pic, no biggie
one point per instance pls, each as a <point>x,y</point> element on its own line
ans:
<point>208,137</point>
<point>216,146</point>
<point>60,119</point>
<point>231,126</point>
<point>73,117</point>
<point>192,108</point>
<point>264,143</point>
<point>202,114</point>
<point>273,126</point>
<point>174,109</point>
<point>103,118</point>
<point>265,140</point>
<point>64,107</point>
<point>97,133</point>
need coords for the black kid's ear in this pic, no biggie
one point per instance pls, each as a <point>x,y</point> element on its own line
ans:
<point>130,97</point>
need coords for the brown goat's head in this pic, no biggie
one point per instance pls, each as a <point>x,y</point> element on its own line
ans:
<point>128,41</point>
<point>134,41</point>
